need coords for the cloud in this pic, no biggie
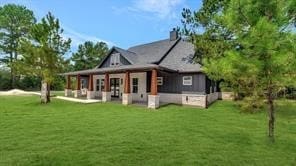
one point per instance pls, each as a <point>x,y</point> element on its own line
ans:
<point>162,9</point>
<point>79,38</point>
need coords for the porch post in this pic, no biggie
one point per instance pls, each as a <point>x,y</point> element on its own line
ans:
<point>127,96</point>
<point>90,91</point>
<point>153,98</point>
<point>77,92</point>
<point>68,90</point>
<point>106,94</point>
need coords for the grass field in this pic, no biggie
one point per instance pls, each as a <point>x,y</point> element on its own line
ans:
<point>65,133</point>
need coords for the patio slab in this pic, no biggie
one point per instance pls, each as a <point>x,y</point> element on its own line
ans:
<point>86,101</point>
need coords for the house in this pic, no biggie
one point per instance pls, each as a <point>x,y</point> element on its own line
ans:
<point>159,72</point>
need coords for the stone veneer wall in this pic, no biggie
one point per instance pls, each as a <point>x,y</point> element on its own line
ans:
<point>225,95</point>
<point>212,97</point>
<point>189,99</point>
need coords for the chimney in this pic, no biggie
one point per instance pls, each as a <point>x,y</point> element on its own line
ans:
<point>173,34</point>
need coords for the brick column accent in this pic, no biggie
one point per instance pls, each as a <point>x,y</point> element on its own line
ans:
<point>127,85</point>
<point>68,86</point>
<point>107,84</point>
<point>78,82</point>
<point>127,96</point>
<point>90,82</point>
<point>77,92</point>
<point>154,82</point>
<point>106,94</point>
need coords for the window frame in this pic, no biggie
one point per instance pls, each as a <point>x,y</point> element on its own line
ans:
<point>159,81</point>
<point>115,59</point>
<point>98,84</point>
<point>187,82</point>
<point>135,85</point>
<point>102,84</point>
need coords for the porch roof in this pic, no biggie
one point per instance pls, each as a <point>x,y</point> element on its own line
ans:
<point>119,69</point>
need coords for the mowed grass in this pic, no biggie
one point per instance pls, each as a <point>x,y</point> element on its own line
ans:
<point>66,133</point>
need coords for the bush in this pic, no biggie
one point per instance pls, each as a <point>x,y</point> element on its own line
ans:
<point>251,104</point>
<point>4,80</point>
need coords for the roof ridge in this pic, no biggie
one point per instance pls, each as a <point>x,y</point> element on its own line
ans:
<point>148,43</point>
<point>169,50</point>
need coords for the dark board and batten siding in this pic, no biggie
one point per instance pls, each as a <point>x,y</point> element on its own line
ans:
<point>173,83</point>
<point>107,62</point>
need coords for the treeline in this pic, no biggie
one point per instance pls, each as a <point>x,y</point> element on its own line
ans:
<point>33,51</point>
<point>250,46</point>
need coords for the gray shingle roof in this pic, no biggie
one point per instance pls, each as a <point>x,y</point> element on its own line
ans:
<point>181,58</point>
<point>152,52</point>
<point>174,56</point>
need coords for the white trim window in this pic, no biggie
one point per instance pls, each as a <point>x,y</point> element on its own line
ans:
<point>135,85</point>
<point>98,85</point>
<point>159,80</point>
<point>115,59</point>
<point>187,80</point>
<point>102,83</point>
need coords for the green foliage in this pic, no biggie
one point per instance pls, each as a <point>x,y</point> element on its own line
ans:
<point>89,55</point>
<point>43,51</point>
<point>67,133</point>
<point>259,57</point>
<point>30,83</point>
<point>4,80</point>
<point>15,23</point>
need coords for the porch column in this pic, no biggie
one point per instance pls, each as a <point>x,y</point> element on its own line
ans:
<point>90,91</point>
<point>153,98</point>
<point>106,94</point>
<point>68,90</point>
<point>77,92</point>
<point>127,96</point>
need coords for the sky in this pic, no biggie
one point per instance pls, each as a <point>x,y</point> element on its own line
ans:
<point>121,23</point>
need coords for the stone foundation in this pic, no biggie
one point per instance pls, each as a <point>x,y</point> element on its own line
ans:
<point>212,97</point>
<point>127,99</point>
<point>68,92</point>
<point>153,101</point>
<point>90,94</point>
<point>194,100</point>
<point>226,96</point>
<point>77,93</point>
<point>106,96</point>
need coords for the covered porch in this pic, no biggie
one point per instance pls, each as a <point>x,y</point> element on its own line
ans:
<point>132,84</point>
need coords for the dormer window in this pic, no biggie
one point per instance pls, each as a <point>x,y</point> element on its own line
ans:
<point>115,59</point>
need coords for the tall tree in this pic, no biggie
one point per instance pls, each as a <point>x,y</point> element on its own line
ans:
<point>15,22</point>
<point>89,55</point>
<point>260,52</point>
<point>42,53</point>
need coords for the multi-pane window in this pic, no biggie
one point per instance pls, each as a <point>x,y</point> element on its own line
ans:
<point>159,80</point>
<point>98,85</point>
<point>187,80</point>
<point>102,84</point>
<point>115,59</point>
<point>135,85</point>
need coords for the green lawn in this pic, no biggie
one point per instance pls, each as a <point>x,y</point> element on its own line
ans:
<point>65,133</point>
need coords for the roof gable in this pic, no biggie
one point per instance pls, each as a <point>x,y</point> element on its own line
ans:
<point>123,58</point>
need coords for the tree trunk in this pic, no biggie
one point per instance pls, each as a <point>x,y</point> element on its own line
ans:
<point>271,115</point>
<point>45,92</point>
<point>12,78</point>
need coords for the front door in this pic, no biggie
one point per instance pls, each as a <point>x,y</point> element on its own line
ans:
<point>114,85</point>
